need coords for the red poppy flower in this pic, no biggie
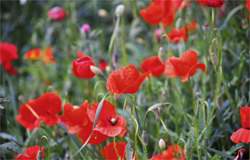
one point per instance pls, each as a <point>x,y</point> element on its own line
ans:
<point>183,67</point>
<point>126,80</point>
<point>36,54</point>
<point>44,108</point>
<point>8,53</point>
<point>81,67</point>
<point>173,152</point>
<point>245,116</point>
<point>47,56</point>
<point>242,135</point>
<point>77,122</point>
<point>211,3</point>
<point>109,122</point>
<point>153,65</point>
<point>33,54</point>
<point>114,151</point>
<point>103,64</point>
<point>31,153</point>
<point>161,11</point>
<point>57,13</point>
<point>177,34</point>
<point>248,5</point>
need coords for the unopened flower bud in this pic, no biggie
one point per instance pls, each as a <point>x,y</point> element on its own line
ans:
<point>23,2</point>
<point>96,70</point>
<point>162,144</point>
<point>161,53</point>
<point>85,28</point>
<point>102,13</point>
<point>108,69</point>
<point>119,10</point>
<point>158,33</point>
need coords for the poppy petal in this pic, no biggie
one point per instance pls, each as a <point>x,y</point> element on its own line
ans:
<point>114,151</point>
<point>241,136</point>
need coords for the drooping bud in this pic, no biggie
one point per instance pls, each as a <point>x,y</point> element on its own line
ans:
<point>162,144</point>
<point>102,13</point>
<point>119,10</point>
<point>161,54</point>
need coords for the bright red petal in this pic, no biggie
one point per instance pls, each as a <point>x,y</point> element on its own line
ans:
<point>114,150</point>
<point>31,153</point>
<point>75,118</point>
<point>153,65</point>
<point>26,118</point>
<point>245,116</point>
<point>81,67</point>
<point>241,136</point>
<point>104,123</point>
<point>96,137</point>
<point>126,80</point>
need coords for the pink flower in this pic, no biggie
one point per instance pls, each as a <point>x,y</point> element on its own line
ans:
<point>85,28</point>
<point>57,13</point>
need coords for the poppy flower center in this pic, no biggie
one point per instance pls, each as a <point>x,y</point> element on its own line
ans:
<point>113,121</point>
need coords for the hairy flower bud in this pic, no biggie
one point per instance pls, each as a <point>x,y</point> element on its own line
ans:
<point>119,10</point>
<point>162,144</point>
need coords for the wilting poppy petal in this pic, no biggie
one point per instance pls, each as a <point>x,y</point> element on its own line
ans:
<point>108,123</point>
<point>242,135</point>
<point>183,67</point>
<point>126,80</point>
<point>211,3</point>
<point>245,116</point>
<point>57,13</point>
<point>153,65</point>
<point>81,67</point>
<point>8,53</point>
<point>114,151</point>
<point>31,153</point>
